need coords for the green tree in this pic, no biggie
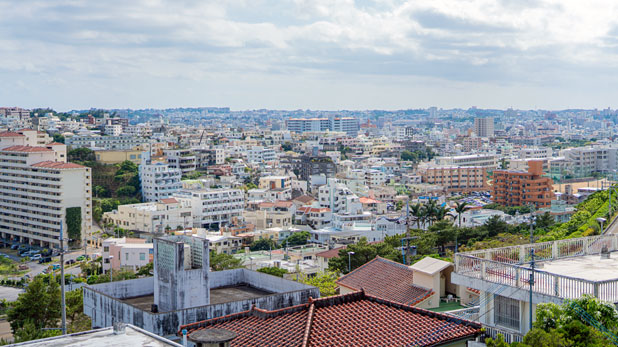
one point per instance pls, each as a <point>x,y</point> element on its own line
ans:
<point>74,223</point>
<point>81,154</point>
<point>363,252</point>
<point>39,305</point>
<point>145,270</point>
<point>263,245</point>
<point>76,319</point>
<point>275,271</point>
<point>324,281</point>
<point>59,138</point>
<point>544,221</point>
<point>460,208</point>
<point>222,261</point>
<point>297,239</point>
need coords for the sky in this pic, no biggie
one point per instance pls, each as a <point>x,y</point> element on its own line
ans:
<point>309,54</point>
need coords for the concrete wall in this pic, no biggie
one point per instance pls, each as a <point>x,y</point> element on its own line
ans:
<point>127,289</point>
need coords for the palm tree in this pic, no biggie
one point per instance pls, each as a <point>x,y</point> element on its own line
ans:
<point>440,213</point>
<point>428,213</point>
<point>460,208</point>
<point>417,212</point>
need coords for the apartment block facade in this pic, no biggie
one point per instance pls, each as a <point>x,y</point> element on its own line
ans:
<point>457,179</point>
<point>159,180</point>
<point>36,191</point>
<point>349,125</point>
<point>519,188</point>
<point>152,217</point>
<point>213,208</point>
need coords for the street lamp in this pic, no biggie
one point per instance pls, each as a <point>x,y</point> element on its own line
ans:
<point>111,269</point>
<point>350,261</point>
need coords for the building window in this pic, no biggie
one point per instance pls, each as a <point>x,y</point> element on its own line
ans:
<point>106,249</point>
<point>142,256</point>
<point>506,312</point>
<point>126,257</point>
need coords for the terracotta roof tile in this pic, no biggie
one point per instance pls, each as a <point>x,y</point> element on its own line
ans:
<point>169,201</point>
<point>26,149</point>
<point>58,165</point>
<point>354,319</point>
<point>10,134</point>
<point>386,279</point>
<point>331,253</point>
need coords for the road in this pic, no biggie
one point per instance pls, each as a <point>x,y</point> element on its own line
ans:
<point>35,268</point>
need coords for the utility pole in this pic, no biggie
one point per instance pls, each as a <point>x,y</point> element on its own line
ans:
<point>62,298</point>
<point>531,269</point>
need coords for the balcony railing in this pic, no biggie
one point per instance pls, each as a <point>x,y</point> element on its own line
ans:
<point>510,266</point>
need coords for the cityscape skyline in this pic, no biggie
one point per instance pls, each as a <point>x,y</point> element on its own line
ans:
<point>308,55</point>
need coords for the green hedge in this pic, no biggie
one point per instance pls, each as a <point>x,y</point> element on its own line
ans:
<point>74,222</point>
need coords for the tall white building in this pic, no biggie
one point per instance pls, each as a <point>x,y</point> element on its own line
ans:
<point>484,127</point>
<point>338,197</point>
<point>259,154</point>
<point>213,208</point>
<point>349,125</point>
<point>152,217</point>
<point>159,180</point>
<point>37,189</point>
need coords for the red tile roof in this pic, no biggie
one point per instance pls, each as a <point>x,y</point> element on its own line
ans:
<point>309,209</point>
<point>55,144</point>
<point>10,134</point>
<point>58,165</point>
<point>386,279</point>
<point>354,319</point>
<point>169,201</point>
<point>26,149</point>
<point>331,253</point>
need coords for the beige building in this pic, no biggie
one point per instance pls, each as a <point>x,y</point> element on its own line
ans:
<point>118,156</point>
<point>457,179</point>
<point>152,217</point>
<point>37,189</point>
<point>268,219</point>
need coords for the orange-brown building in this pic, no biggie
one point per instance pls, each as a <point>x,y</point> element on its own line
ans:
<point>519,188</point>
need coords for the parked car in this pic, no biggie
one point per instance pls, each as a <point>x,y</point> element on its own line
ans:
<point>56,266</point>
<point>81,258</point>
<point>69,262</point>
<point>23,267</point>
<point>45,260</point>
<point>35,257</point>
<point>15,246</point>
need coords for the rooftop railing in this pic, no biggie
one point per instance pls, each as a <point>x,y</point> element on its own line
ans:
<point>511,266</point>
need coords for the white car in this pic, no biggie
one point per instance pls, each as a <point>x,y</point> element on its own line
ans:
<point>35,257</point>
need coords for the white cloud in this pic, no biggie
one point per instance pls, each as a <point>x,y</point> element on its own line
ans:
<point>65,46</point>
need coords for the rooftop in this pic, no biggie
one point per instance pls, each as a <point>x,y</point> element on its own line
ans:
<point>590,267</point>
<point>352,319</point>
<point>133,336</point>
<point>58,165</point>
<point>219,295</point>
<point>26,149</point>
<point>386,279</point>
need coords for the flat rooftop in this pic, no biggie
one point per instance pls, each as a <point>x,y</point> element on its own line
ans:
<point>217,296</point>
<point>590,267</point>
<point>133,336</point>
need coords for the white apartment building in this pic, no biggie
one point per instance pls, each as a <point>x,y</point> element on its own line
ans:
<point>182,159</point>
<point>338,197</point>
<point>126,253</point>
<point>484,127</point>
<point>586,160</point>
<point>213,208</point>
<point>375,178</point>
<point>260,154</point>
<point>140,130</point>
<point>482,160</point>
<point>535,152</point>
<point>159,180</point>
<point>104,142</point>
<point>151,217</point>
<point>349,125</point>
<point>113,129</point>
<point>35,192</point>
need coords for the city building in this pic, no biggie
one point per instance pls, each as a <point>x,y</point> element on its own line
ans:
<point>260,154</point>
<point>348,125</point>
<point>565,269</point>
<point>126,253</point>
<point>158,179</point>
<point>152,217</point>
<point>181,159</point>
<point>183,290</point>
<point>484,127</point>
<point>519,188</point>
<point>213,208</point>
<point>125,142</point>
<point>462,179</point>
<point>480,160</point>
<point>39,193</point>
<point>118,156</point>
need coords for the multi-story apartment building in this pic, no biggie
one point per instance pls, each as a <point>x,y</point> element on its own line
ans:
<point>535,152</point>
<point>519,188</point>
<point>158,179</point>
<point>113,129</point>
<point>14,117</point>
<point>213,208</point>
<point>307,166</point>
<point>375,178</point>
<point>104,142</point>
<point>37,190</point>
<point>481,160</point>
<point>140,130</point>
<point>126,253</point>
<point>338,198</point>
<point>584,161</point>
<point>260,154</point>
<point>151,217</point>
<point>209,156</point>
<point>349,125</point>
<point>457,179</point>
<point>181,159</point>
<point>484,127</point>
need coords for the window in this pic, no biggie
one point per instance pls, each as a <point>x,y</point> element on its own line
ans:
<point>142,256</point>
<point>126,256</point>
<point>506,312</point>
<point>106,249</point>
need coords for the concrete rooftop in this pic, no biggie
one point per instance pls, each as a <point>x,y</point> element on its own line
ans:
<point>590,267</point>
<point>217,296</point>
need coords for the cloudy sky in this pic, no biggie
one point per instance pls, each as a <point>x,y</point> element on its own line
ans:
<point>317,54</point>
